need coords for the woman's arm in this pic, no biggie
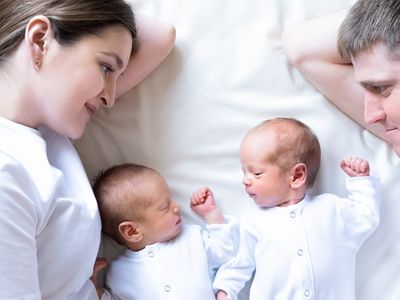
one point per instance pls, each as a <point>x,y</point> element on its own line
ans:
<point>156,40</point>
<point>311,47</point>
<point>18,230</point>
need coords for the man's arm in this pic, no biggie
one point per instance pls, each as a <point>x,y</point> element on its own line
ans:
<point>311,47</point>
<point>156,40</point>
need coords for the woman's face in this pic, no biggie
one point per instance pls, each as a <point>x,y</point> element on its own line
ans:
<point>76,80</point>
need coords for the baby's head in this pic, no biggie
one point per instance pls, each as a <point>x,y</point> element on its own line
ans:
<point>280,159</point>
<point>136,206</point>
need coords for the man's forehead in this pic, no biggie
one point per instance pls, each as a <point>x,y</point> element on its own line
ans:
<point>375,67</point>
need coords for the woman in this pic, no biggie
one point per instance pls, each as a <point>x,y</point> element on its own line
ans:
<point>60,61</point>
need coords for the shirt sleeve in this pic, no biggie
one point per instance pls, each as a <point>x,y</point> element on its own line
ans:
<point>360,212</point>
<point>18,222</point>
<point>221,241</point>
<point>233,275</point>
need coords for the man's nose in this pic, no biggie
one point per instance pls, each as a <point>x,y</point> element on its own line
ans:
<point>373,110</point>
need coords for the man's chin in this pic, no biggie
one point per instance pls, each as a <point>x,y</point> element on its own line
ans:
<point>396,149</point>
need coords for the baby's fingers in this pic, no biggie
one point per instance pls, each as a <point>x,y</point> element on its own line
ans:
<point>355,166</point>
<point>199,196</point>
<point>359,165</point>
<point>363,165</point>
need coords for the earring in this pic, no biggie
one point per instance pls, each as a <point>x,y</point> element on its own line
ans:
<point>37,61</point>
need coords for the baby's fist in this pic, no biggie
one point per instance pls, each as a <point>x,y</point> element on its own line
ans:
<point>355,166</point>
<point>202,201</point>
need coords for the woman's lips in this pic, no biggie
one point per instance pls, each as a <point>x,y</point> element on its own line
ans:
<point>91,109</point>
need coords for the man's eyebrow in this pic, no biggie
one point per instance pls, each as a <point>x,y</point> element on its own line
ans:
<point>376,82</point>
<point>117,59</point>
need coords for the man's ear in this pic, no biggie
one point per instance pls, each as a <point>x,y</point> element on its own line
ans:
<point>38,35</point>
<point>298,175</point>
<point>130,231</point>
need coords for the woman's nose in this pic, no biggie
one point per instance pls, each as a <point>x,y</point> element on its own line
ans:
<point>107,96</point>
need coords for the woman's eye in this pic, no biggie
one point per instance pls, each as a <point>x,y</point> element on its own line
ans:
<point>106,69</point>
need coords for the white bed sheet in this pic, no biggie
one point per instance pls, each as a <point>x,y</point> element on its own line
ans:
<point>227,73</point>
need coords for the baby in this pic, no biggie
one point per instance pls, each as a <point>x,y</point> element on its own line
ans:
<point>163,257</point>
<point>300,247</point>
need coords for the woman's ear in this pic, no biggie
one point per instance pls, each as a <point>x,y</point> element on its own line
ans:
<point>38,34</point>
<point>298,175</point>
<point>130,231</point>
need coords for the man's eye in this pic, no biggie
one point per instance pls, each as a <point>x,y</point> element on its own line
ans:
<point>380,89</point>
<point>377,89</point>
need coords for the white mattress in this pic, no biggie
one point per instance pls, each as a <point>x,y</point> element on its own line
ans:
<point>226,74</point>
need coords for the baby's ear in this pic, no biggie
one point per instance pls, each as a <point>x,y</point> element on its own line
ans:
<point>130,231</point>
<point>298,175</point>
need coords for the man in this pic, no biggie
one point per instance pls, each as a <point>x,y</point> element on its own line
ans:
<point>353,58</point>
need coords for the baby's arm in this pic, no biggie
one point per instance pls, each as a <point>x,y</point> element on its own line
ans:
<point>354,166</point>
<point>99,264</point>
<point>360,211</point>
<point>203,204</point>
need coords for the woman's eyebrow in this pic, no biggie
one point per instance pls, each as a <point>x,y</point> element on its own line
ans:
<point>117,59</point>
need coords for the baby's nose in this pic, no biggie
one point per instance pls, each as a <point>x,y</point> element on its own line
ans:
<point>176,208</point>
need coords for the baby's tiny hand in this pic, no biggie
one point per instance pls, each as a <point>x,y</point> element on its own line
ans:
<point>202,201</point>
<point>99,264</point>
<point>355,166</point>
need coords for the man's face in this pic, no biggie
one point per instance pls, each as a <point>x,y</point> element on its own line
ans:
<point>379,75</point>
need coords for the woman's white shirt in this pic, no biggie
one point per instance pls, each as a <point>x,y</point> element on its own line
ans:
<point>49,222</point>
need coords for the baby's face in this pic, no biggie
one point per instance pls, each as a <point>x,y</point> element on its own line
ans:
<point>162,217</point>
<point>265,182</point>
